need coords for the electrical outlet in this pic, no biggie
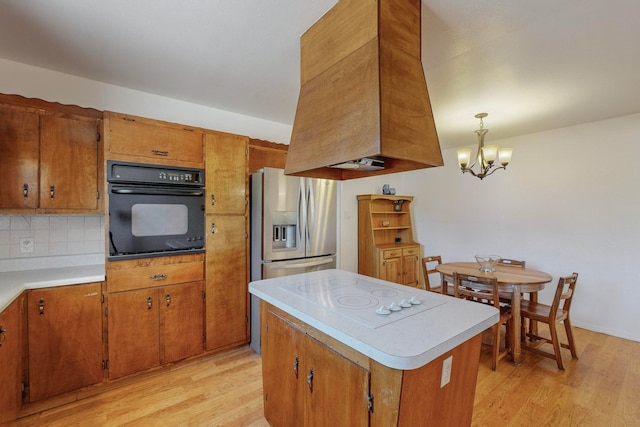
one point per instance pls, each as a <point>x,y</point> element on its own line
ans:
<point>27,245</point>
<point>446,371</point>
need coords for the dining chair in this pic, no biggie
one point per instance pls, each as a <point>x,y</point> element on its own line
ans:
<point>485,290</point>
<point>552,314</point>
<point>429,264</point>
<point>506,297</point>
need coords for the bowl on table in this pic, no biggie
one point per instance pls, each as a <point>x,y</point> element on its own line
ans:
<point>487,262</point>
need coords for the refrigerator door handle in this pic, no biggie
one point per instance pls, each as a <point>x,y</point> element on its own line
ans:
<point>311,206</point>
<point>278,266</point>
<point>300,215</point>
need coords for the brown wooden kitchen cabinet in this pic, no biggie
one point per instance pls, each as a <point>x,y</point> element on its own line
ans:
<point>401,265</point>
<point>155,312</point>
<point>385,237</point>
<point>349,389</point>
<point>226,173</point>
<point>11,360</point>
<point>33,144</point>
<point>227,241</point>
<point>143,140</point>
<point>149,327</point>
<point>65,339</point>
<point>266,154</point>
<point>227,284</point>
<point>307,383</point>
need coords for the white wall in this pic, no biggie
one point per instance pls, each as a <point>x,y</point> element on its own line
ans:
<point>33,82</point>
<point>568,202</point>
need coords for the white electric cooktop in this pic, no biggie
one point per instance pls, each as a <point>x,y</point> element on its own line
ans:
<point>368,303</point>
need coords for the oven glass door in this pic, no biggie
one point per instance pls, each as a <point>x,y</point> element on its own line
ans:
<point>155,221</point>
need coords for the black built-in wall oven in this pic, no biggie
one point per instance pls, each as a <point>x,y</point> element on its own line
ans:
<point>154,210</point>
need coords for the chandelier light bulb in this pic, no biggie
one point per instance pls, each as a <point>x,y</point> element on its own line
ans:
<point>485,156</point>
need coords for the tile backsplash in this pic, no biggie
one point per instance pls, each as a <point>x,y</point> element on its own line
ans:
<point>54,236</point>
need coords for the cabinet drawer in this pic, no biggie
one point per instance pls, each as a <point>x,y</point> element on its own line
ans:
<point>392,253</point>
<point>410,251</point>
<point>152,276</point>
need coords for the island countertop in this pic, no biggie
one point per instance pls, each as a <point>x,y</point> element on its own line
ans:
<point>345,306</point>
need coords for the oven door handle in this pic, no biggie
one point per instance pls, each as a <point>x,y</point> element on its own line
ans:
<point>152,191</point>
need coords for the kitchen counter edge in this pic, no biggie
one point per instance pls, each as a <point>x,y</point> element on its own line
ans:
<point>13,283</point>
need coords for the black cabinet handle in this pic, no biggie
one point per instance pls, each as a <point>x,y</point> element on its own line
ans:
<point>310,379</point>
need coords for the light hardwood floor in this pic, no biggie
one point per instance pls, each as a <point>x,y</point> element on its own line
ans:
<point>600,389</point>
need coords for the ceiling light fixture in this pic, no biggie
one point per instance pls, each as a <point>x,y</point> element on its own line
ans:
<point>486,155</point>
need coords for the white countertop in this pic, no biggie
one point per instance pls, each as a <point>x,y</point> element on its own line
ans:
<point>13,283</point>
<point>405,339</point>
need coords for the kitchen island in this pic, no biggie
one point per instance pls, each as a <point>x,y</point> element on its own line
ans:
<point>341,348</point>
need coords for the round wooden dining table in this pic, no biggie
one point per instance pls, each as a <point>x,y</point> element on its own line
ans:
<point>511,279</point>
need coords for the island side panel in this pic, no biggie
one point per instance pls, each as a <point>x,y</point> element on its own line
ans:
<point>424,402</point>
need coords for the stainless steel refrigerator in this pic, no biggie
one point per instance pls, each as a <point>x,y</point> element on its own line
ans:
<point>293,229</point>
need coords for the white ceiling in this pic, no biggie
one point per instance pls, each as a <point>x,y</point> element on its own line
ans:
<point>532,65</point>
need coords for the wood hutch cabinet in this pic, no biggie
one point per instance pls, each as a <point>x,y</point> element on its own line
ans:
<point>385,237</point>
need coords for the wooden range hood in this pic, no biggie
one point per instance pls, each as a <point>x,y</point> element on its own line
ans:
<point>363,97</point>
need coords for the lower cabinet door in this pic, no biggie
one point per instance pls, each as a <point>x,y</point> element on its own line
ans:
<point>391,269</point>
<point>282,372</point>
<point>337,389</point>
<point>181,322</point>
<point>306,383</point>
<point>227,281</point>
<point>133,331</point>
<point>65,339</point>
<point>10,361</point>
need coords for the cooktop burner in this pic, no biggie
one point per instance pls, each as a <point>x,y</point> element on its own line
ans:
<point>368,303</point>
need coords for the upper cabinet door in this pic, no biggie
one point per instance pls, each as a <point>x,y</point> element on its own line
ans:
<point>226,173</point>
<point>19,145</point>
<point>68,163</point>
<point>143,140</point>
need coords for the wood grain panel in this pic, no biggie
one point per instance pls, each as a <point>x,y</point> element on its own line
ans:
<point>19,157</point>
<point>408,129</point>
<point>123,279</point>
<point>133,332</point>
<point>339,384</point>
<point>282,345</point>
<point>266,154</point>
<point>181,321</point>
<point>399,24</point>
<point>11,360</point>
<point>145,140</point>
<point>226,173</point>
<point>342,30</point>
<point>65,339</point>
<point>453,402</point>
<point>338,113</point>
<point>69,162</point>
<point>227,281</point>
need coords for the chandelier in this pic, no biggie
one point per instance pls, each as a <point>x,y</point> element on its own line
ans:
<point>486,155</point>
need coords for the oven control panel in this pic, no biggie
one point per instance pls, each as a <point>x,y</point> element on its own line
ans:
<point>140,173</point>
